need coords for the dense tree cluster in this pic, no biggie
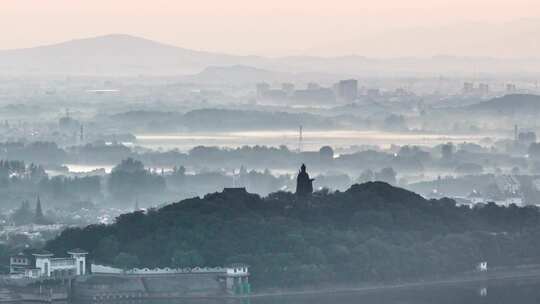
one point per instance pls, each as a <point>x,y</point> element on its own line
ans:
<point>129,180</point>
<point>38,152</point>
<point>74,188</point>
<point>19,181</point>
<point>371,232</point>
<point>24,215</point>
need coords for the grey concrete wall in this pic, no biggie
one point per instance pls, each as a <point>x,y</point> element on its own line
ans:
<point>134,286</point>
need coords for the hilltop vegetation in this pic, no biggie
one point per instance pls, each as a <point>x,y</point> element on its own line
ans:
<point>371,232</point>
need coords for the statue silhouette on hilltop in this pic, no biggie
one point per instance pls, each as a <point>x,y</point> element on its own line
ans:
<point>304,184</point>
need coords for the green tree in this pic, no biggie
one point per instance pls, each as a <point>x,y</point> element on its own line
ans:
<point>189,258</point>
<point>107,249</point>
<point>129,180</point>
<point>126,260</point>
<point>23,215</point>
<point>39,217</point>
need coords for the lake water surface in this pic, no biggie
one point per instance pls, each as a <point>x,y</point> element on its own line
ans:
<point>522,291</point>
<point>312,140</point>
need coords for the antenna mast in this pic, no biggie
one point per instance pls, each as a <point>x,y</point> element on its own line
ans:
<point>300,139</point>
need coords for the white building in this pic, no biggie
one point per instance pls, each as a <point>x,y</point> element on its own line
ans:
<point>44,264</point>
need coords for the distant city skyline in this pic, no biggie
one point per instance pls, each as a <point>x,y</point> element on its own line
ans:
<point>382,28</point>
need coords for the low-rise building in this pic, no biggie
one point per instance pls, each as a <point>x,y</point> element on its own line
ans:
<point>19,263</point>
<point>43,264</point>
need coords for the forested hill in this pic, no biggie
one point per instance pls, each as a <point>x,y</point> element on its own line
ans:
<point>371,232</point>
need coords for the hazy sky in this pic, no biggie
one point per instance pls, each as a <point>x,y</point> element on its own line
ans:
<point>273,27</point>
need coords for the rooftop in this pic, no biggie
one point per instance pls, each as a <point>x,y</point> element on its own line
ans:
<point>77,251</point>
<point>237,265</point>
<point>44,253</point>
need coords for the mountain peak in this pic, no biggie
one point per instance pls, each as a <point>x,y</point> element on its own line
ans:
<point>111,41</point>
<point>111,54</point>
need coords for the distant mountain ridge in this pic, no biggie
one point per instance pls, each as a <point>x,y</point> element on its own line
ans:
<point>125,55</point>
<point>110,54</point>
<point>237,74</point>
<point>509,105</point>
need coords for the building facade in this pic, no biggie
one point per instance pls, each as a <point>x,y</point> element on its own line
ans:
<point>19,263</point>
<point>43,264</point>
<point>347,90</point>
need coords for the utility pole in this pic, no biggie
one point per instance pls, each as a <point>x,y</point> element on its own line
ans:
<point>82,133</point>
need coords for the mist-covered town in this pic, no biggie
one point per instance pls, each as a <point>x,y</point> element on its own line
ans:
<point>90,148</point>
<point>348,156</point>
